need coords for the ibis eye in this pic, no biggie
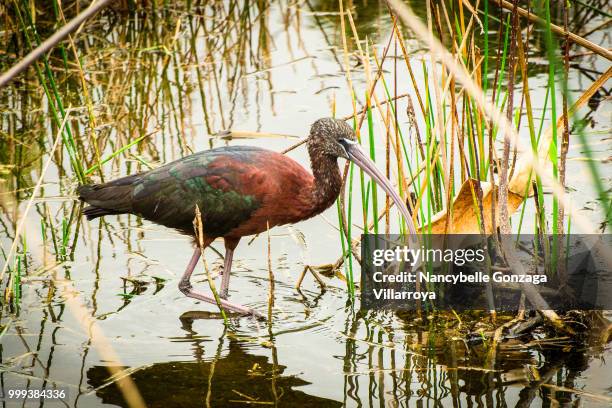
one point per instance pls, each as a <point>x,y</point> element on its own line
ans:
<point>346,142</point>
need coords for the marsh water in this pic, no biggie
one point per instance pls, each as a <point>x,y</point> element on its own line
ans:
<point>180,76</point>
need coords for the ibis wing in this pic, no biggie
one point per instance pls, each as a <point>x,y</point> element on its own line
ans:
<point>217,181</point>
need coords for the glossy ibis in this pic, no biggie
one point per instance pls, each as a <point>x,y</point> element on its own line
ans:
<point>240,190</point>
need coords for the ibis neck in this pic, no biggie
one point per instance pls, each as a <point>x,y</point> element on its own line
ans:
<point>327,180</point>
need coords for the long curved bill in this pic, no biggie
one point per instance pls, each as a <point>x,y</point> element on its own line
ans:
<point>358,156</point>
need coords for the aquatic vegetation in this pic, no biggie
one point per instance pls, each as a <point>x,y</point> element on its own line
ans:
<point>144,83</point>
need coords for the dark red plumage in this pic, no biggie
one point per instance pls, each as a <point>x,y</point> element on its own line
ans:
<point>240,191</point>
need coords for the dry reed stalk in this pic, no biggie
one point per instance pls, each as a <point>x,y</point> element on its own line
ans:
<point>400,39</point>
<point>301,277</point>
<point>347,70</point>
<point>270,277</point>
<point>509,132</point>
<point>401,177</point>
<point>387,170</point>
<point>347,65</point>
<point>52,41</point>
<point>22,221</point>
<point>491,111</point>
<point>384,102</point>
<point>438,95</point>
<point>523,176</point>
<point>578,392</point>
<point>433,158</point>
<point>504,216</point>
<point>371,85</point>
<point>522,60</point>
<point>558,30</point>
<point>532,161</point>
<point>564,149</point>
<point>593,30</point>
<point>79,310</point>
<point>88,101</point>
<point>520,182</point>
<point>386,120</point>
<point>306,269</point>
<point>198,227</point>
<point>70,296</point>
<point>454,122</point>
<point>565,117</point>
<point>346,118</point>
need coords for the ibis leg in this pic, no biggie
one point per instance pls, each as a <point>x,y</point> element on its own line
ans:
<point>227,268</point>
<point>186,288</point>
<point>230,245</point>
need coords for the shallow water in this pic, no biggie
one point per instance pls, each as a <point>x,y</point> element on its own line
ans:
<point>179,86</point>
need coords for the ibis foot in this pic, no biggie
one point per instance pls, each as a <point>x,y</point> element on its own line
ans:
<point>187,289</point>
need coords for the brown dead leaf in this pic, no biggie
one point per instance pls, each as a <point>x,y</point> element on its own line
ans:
<point>465,212</point>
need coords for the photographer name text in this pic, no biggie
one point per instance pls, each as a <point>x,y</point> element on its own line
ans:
<point>413,277</point>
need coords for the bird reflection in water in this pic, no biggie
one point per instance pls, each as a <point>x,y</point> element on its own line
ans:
<point>234,379</point>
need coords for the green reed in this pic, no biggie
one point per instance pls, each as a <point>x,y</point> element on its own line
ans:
<point>372,144</point>
<point>156,96</point>
<point>47,80</point>
<point>345,241</point>
<point>16,298</point>
<point>553,151</point>
<point>431,186</point>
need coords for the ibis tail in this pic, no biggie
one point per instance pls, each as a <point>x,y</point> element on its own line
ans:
<point>114,197</point>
